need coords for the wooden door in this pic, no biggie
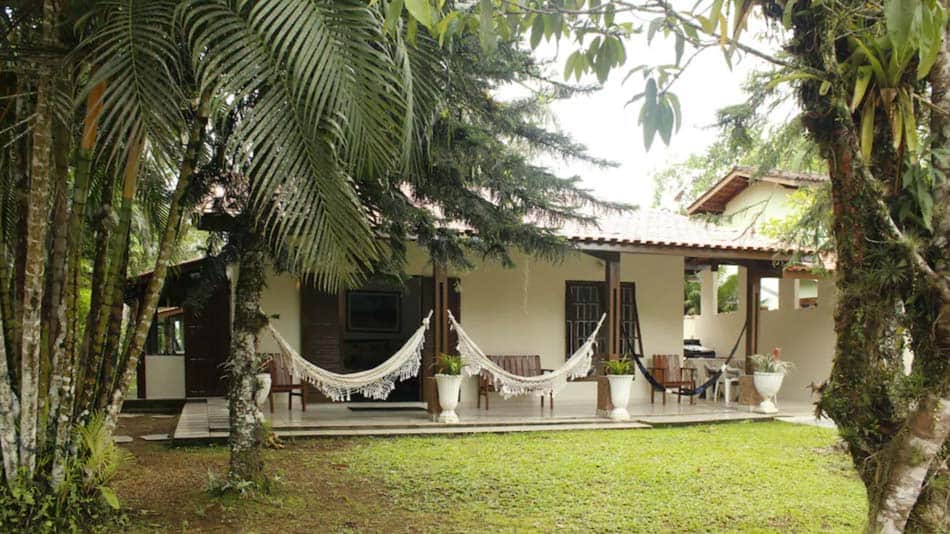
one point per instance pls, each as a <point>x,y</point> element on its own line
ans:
<point>208,344</point>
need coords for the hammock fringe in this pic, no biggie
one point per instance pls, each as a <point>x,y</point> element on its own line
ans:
<point>474,361</point>
<point>376,383</point>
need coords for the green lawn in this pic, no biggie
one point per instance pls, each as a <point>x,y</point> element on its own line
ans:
<point>734,477</point>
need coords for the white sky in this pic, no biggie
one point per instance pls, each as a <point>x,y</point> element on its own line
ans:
<point>610,130</point>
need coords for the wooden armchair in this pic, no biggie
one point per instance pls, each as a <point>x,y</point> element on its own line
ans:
<point>670,374</point>
<point>521,364</point>
<point>282,381</point>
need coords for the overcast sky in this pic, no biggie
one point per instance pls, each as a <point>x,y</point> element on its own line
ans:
<point>610,130</point>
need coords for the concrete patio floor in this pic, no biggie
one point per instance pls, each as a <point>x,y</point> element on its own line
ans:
<point>207,419</point>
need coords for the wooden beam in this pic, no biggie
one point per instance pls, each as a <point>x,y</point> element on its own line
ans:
<point>670,250</point>
<point>612,278</point>
<point>752,311</point>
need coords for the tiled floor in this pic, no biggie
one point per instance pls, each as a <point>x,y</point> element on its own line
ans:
<point>208,418</point>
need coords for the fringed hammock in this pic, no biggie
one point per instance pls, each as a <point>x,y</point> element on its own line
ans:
<point>509,385</point>
<point>375,383</point>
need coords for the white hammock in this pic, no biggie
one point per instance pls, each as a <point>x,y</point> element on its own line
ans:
<point>509,385</point>
<point>375,383</point>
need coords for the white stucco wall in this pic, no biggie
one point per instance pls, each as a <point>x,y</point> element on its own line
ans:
<point>749,204</point>
<point>164,377</point>
<point>806,336</point>
<point>281,297</point>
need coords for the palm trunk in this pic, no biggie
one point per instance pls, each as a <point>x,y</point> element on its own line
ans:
<point>64,374</point>
<point>110,324</point>
<point>246,429</point>
<point>53,307</point>
<point>149,301</point>
<point>89,356</point>
<point>35,265</point>
<point>8,435</point>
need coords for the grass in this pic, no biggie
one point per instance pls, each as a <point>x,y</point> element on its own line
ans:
<point>754,477</point>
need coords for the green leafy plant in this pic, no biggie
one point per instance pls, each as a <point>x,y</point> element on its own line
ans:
<point>448,364</point>
<point>623,366</point>
<point>766,363</point>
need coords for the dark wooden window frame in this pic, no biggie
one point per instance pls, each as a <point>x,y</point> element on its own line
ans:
<point>576,334</point>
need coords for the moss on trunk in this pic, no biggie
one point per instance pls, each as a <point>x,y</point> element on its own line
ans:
<point>245,418</point>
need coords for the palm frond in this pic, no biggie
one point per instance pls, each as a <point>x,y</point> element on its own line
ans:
<point>328,103</point>
<point>134,48</point>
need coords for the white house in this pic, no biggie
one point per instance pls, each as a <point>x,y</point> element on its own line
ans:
<point>631,267</point>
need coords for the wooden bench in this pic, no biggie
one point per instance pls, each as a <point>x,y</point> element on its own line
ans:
<point>668,372</point>
<point>517,364</point>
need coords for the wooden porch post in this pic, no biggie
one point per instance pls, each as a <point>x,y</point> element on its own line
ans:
<point>613,349</point>
<point>440,336</point>
<point>753,280</point>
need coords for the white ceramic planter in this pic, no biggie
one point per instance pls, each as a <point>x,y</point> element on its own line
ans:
<point>620,396</point>
<point>263,387</point>
<point>448,396</point>
<point>767,384</point>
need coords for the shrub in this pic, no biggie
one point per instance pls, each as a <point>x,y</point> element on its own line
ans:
<point>766,363</point>
<point>448,364</point>
<point>623,366</point>
<point>82,501</point>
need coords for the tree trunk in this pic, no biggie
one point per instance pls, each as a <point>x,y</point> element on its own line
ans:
<point>245,418</point>
<point>70,307</point>
<point>34,267</point>
<point>149,301</point>
<point>109,328</point>
<point>89,361</point>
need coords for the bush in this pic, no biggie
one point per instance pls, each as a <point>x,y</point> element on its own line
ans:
<point>81,503</point>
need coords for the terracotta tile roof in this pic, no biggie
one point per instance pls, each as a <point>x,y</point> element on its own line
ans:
<point>655,228</point>
<point>715,199</point>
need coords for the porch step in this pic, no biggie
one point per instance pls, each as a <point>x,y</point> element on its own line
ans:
<point>221,425</point>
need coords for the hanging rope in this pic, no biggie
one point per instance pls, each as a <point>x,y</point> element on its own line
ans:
<point>375,383</point>
<point>658,386</point>
<point>508,384</point>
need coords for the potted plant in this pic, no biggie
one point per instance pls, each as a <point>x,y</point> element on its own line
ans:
<point>263,382</point>
<point>448,379</point>
<point>620,376</point>
<point>770,370</point>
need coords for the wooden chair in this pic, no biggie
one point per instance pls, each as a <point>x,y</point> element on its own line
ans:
<point>518,364</point>
<point>282,381</point>
<point>670,374</point>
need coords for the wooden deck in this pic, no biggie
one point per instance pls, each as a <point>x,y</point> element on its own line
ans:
<point>207,419</point>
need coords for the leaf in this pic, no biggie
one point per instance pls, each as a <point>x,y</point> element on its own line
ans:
<point>824,87</point>
<point>675,103</point>
<point>787,13</point>
<point>655,25</point>
<point>715,13</point>
<point>867,129</point>
<point>723,31</point>
<point>930,36</point>
<point>906,109</point>
<point>393,14</point>
<point>680,47</point>
<point>537,31</point>
<point>860,86</point>
<point>420,10</point>
<point>899,19</point>
<point>665,125</point>
<point>110,497</point>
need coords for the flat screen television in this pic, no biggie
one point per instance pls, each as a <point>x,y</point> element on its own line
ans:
<point>373,311</point>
